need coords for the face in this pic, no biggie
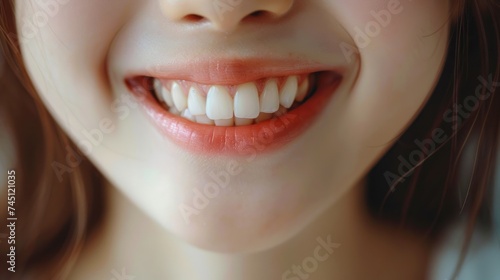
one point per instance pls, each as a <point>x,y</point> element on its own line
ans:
<point>232,123</point>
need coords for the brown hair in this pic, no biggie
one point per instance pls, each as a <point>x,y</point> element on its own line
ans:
<point>423,197</point>
<point>54,216</point>
<point>442,167</point>
<point>429,186</point>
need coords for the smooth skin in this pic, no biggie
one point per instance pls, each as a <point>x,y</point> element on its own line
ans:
<point>268,217</point>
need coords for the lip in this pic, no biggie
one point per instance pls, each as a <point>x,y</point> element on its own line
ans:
<point>253,139</point>
<point>234,71</point>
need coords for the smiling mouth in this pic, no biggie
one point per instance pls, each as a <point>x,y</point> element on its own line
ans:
<point>233,118</point>
<point>233,105</point>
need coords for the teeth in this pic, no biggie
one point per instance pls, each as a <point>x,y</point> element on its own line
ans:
<point>174,111</point>
<point>219,103</point>
<point>220,109</point>
<point>187,115</point>
<point>228,122</point>
<point>301,94</point>
<point>270,99</point>
<point>158,89</point>
<point>282,110</point>
<point>288,92</point>
<point>180,100</point>
<point>203,119</point>
<point>264,117</point>
<point>196,102</point>
<point>246,101</point>
<point>162,93</point>
<point>167,97</point>
<point>241,122</point>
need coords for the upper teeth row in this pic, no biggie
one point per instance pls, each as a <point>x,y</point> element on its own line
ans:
<point>220,105</point>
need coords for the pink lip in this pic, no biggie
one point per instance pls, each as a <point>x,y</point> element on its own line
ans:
<point>239,140</point>
<point>234,71</point>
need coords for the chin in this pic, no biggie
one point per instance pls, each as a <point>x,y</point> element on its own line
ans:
<point>222,229</point>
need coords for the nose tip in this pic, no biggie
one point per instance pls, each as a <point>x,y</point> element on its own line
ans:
<point>225,15</point>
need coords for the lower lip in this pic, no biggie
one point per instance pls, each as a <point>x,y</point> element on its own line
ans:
<point>263,137</point>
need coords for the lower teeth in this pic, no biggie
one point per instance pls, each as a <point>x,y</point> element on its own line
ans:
<point>203,119</point>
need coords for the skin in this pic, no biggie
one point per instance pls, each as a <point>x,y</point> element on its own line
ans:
<point>275,208</point>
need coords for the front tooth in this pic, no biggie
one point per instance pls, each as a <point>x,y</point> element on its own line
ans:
<point>241,122</point>
<point>203,119</point>
<point>246,101</point>
<point>270,98</point>
<point>178,97</point>
<point>228,122</point>
<point>187,115</point>
<point>288,92</point>
<point>158,89</point>
<point>219,104</point>
<point>302,91</point>
<point>196,102</point>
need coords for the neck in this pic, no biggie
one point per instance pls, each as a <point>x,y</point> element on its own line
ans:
<point>335,246</point>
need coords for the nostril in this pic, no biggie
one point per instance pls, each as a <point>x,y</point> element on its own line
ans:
<point>194,18</point>
<point>261,14</point>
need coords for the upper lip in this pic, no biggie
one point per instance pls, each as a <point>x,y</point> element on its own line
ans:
<point>234,71</point>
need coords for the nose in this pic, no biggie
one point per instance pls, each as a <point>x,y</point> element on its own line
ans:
<point>224,15</point>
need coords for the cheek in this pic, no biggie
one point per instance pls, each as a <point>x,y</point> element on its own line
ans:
<point>401,46</point>
<point>73,22</point>
<point>65,45</point>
